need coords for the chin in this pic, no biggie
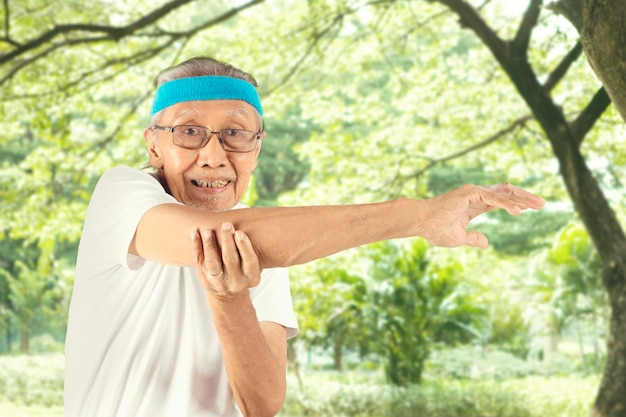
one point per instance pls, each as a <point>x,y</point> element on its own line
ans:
<point>215,205</point>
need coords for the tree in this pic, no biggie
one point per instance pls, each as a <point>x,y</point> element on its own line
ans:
<point>597,21</point>
<point>417,303</point>
<point>604,42</point>
<point>93,57</point>
<point>600,25</point>
<point>37,291</point>
<point>333,308</point>
<point>565,126</point>
<point>71,107</point>
<point>566,291</point>
<point>389,301</point>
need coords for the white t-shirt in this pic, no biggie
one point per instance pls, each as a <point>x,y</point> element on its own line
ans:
<point>140,339</point>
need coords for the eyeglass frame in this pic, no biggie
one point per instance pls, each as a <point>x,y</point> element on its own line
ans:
<point>210,133</point>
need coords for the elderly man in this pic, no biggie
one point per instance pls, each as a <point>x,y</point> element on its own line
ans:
<point>171,314</point>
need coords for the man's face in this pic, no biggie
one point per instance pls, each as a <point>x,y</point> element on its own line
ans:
<point>209,178</point>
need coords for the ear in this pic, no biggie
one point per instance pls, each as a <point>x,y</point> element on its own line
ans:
<point>154,150</point>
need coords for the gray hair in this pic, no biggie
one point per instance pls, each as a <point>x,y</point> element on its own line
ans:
<point>198,67</point>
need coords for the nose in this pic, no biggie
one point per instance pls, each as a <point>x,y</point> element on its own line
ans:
<point>212,154</point>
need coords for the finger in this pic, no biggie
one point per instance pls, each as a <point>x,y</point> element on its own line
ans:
<point>230,254</point>
<point>476,239</point>
<point>196,247</point>
<point>249,259</point>
<point>212,259</point>
<point>501,199</point>
<point>529,199</point>
<point>524,199</point>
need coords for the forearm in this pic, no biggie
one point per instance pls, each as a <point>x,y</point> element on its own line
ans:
<point>302,234</point>
<point>281,236</point>
<point>255,362</point>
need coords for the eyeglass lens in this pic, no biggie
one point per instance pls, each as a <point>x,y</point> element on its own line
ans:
<point>237,140</point>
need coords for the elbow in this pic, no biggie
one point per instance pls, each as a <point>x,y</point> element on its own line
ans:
<point>274,408</point>
<point>267,408</point>
<point>264,404</point>
<point>286,258</point>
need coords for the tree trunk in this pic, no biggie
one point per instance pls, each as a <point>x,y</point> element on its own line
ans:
<point>338,354</point>
<point>602,28</point>
<point>603,228</point>
<point>25,337</point>
<point>8,335</point>
<point>601,25</point>
<point>611,397</point>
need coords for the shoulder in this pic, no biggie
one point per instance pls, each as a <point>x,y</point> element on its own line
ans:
<point>124,185</point>
<point>123,171</point>
<point>124,176</point>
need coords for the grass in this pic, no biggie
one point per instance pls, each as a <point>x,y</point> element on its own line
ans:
<point>14,410</point>
<point>364,395</point>
<point>32,386</point>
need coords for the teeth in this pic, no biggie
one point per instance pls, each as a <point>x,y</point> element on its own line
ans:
<point>210,184</point>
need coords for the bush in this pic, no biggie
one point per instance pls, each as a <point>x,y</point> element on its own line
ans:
<point>38,380</point>
<point>45,343</point>
<point>28,380</point>
<point>366,395</point>
<point>474,362</point>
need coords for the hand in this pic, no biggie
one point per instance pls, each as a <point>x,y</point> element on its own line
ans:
<point>449,215</point>
<point>228,268</point>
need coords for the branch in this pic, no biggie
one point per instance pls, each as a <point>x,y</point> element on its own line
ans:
<point>7,21</point>
<point>24,63</point>
<point>560,71</point>
<point>114,33</point>
<point>531,15</point>
<point>515,125</point>
<point>7,26</point>
<point>470,18</point>
<point>337,20</point>
<point>294,68</point>
<point>585,120</point>
<point>110,32</point>
<point>572,10</point>
<point>134,59</point>
<point>219,19</point>
<point>100,145</point>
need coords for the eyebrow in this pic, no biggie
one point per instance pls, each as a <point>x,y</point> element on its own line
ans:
<point>188,112</point>
<point>238,112</point>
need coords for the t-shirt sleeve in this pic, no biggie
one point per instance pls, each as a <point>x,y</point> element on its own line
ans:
<point>121,197</point>
<point>272,300</point>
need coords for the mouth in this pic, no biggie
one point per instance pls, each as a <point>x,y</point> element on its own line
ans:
<point>211,184</point>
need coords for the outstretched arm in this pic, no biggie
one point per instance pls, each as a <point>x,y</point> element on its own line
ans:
<point>285,236</point>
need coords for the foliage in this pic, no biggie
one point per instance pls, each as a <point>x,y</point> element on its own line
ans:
<point>418,303</point>
<point>566,292</point>
<point>486,362</point>
<point>364,101</point>
<point>35,294</point>
<point>363,395</point>
<point>389,300</point>
<point>29,380</point>
<point>509,330</point>
<point>29,385</point>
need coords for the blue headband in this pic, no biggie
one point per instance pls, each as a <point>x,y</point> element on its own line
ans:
<point>210,87</point>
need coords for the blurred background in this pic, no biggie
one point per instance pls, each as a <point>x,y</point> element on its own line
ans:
<point>364,101</point>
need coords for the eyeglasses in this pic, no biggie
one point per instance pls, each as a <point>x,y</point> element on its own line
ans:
<point>194,137</point>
